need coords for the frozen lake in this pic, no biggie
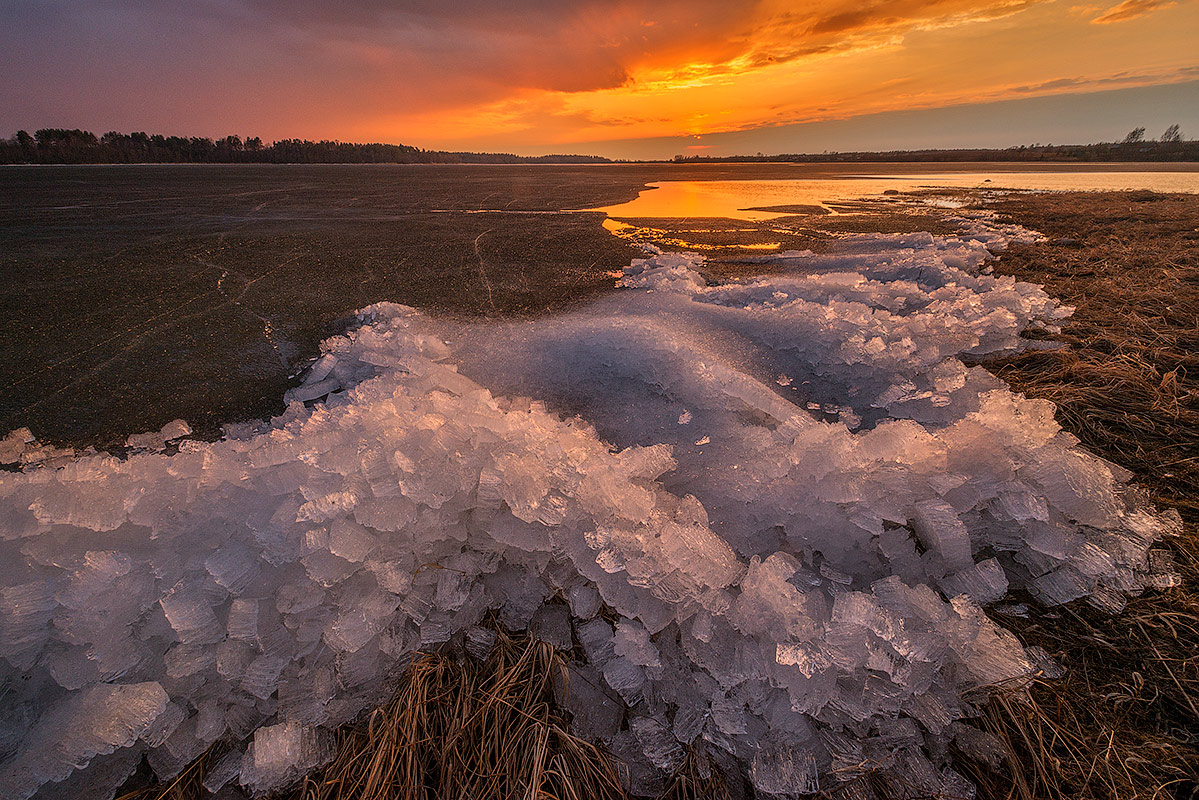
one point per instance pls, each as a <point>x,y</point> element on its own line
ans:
<point>133,295</point>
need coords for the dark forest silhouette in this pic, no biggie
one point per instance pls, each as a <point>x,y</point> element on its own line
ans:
<point>74,146</point>
<point>1170,146</point>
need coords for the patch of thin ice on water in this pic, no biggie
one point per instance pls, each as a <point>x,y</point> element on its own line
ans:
<point>802,592</point>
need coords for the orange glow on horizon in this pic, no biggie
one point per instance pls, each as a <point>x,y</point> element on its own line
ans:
<point>780,66</point>
<point>627,78</point>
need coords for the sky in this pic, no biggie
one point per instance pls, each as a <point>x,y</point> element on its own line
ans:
<point>621,78</point>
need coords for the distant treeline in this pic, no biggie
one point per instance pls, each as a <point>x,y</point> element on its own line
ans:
<point>1103,151</point>
<point>63,146</point>
<point>74,146</point>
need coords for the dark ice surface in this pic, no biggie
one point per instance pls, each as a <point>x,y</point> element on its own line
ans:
<point>133,295</point>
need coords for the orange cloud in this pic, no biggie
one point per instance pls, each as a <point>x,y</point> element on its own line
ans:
<point>1131,9</point>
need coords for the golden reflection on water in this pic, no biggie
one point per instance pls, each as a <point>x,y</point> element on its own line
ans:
<point>731,217</point>
<point>757,201</point>
<point>753,201</point>
<point>663,238</point>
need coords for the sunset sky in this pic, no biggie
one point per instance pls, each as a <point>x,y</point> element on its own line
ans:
<point>625,78</point>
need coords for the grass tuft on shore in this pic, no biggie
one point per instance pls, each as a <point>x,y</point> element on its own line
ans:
<point>1123,721</point>
<point>463,729</point>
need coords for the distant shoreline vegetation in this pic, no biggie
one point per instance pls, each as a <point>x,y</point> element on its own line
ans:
<point>75,146</point>
<point>1170,146</point>
<point>1080,153</point>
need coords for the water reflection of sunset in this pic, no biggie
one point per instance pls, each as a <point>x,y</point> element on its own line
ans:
<point>760,200</point>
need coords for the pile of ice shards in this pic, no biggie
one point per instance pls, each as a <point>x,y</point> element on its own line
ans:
<point>793,496</point>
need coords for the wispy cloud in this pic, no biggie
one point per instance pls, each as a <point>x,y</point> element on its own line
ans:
<point>1131,9</point>
<point>1095,83</point>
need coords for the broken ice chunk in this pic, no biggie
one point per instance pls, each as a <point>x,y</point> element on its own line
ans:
<point>313,391</point>
<point>189,611</point>
<point>1059,586</point>
<point>1092,561</point>
<point>281,752</point>
<point>453,589</point>
<point>325,507</point>
<point>12,445</point>
<point>625,677</point>
<point>595,710</point>
<point>328,569</point>
<point>350,541</point>
<point>175,429</point>
<point>584,601</point>
<point>728,715</point>
<point>321,369</point>
<point>985,582</point>
<point>262,676</point>
<point>479,641</point>
<point>99,570</point>
<point>551,624</point>
<point>1078,485</point>
<point>90,505</point>
<point>835,575</point>
<point>941,531</point>
<point>596,638</point>
<point>164,725</point>
<point>184,660</point>
<point>784,768</point>
<point>243,620</point>
<point>657,742</point>
<point>152,441</point>
<point>224,770</point>
<point>435,631</point>
<point>25,612</point>
<point>1163,571</point>
<point>232,566</point>
<point>632,641</point>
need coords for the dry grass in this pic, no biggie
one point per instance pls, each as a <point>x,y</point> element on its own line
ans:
<point>459,730</point>
<point>1123,723</point>
<point>697,778</point>
<point>1128,385</point>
